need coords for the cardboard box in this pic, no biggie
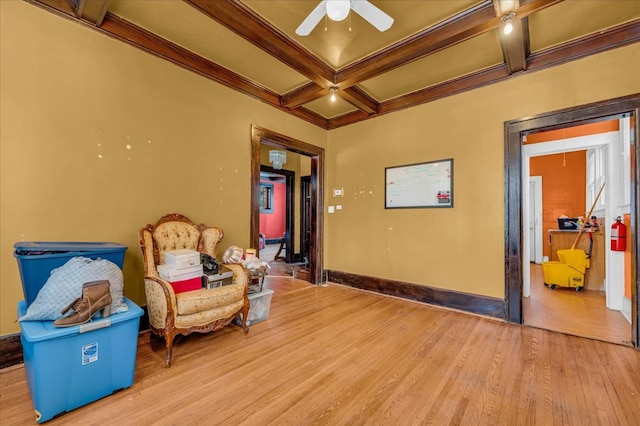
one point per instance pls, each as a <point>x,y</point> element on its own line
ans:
<point>69,367</point>
<point>182,258</point>
<point>170,273</point>
<point>37,259</point>
<point>187,285</point>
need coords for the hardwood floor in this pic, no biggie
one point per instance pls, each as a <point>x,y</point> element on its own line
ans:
<point>278,267</point>
<point>339,356</point>
<point>567,311</point>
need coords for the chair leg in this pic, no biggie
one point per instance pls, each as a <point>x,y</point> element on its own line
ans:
<point>282,246</point>
<point>169,341</point>
<point>245,314</point>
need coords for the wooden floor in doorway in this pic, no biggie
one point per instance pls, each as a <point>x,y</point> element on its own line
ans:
<point>567,311</point>
<point>278,266</point>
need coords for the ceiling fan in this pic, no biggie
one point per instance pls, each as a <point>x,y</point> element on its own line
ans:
<point>337,10</point>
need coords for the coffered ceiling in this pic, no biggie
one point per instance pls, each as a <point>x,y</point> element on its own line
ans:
<point>435,48</point>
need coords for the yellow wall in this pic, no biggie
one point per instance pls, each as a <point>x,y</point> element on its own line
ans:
<point>461,248</point>
<point>71,95</point>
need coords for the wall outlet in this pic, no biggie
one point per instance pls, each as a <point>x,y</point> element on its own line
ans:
<point>338,192</point>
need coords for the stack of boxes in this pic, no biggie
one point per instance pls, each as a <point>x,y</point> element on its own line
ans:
<point>184,271</point>
<point>182,268</point>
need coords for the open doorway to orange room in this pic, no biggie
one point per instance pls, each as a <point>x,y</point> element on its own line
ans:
<point>568,169</point>
<point>548,152</point>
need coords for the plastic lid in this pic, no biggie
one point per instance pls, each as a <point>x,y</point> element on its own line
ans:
<point>37,331</point>
<point>66,246</point>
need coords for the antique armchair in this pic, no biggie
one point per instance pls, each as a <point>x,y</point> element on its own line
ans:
<point>201,310</point>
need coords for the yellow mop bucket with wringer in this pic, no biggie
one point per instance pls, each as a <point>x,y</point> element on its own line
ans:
<point>570,269</point>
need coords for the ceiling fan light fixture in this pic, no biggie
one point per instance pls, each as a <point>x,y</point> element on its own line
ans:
<point>508,22</point>
<point>338,10</point>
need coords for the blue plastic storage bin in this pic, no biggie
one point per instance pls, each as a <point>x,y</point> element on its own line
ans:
<point>37,259</point>
<point>70,367</point>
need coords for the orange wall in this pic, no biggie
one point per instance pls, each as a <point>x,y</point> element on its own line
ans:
<point>573,132</point>
<point>563,187</point>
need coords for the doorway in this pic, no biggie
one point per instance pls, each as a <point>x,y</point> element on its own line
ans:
<point>259,137</point>
<point>282,230</point>
<point>514,176</point>
<point>571,162</point>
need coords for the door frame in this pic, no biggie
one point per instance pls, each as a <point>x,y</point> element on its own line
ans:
<point>260,136</point>
<point>513,214</point>
<point>526,219</point>
<point>305,223</point>
<point>537,219</point>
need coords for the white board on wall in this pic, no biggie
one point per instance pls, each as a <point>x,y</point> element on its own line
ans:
<point>428,184</point>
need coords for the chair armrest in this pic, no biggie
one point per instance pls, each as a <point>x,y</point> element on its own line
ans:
<point>240,275</point>
<point>161,301</point>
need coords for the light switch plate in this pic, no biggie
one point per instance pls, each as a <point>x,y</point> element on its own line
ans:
<point>331,209</point>
<point>338,192</point>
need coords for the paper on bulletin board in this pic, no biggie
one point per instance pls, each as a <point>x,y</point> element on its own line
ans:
<point>427,184</point>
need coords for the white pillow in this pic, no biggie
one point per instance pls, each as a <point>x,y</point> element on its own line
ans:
<point>65,285</point>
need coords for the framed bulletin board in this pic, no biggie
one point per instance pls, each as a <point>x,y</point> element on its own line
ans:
<point>419,185</point>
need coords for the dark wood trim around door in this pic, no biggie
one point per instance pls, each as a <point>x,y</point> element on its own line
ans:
<point>305,219</point>
<point>514,130</point>
<point>261,136</point>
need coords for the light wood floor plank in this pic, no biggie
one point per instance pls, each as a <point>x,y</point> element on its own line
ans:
<point>567,311</point>
<point>340,356</point>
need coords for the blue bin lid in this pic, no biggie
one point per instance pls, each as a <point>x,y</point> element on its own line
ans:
<point>37,331</point>
<point>25,247</point>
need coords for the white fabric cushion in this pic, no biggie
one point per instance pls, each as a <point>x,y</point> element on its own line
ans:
<point>65,285</point>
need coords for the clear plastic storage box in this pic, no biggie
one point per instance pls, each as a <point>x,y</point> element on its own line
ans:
<point>259,306</point>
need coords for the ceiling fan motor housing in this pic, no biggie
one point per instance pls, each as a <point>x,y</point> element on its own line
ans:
<point>338,10</point>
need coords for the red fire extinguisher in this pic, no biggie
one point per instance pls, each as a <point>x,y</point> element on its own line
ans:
<point>618,235</point>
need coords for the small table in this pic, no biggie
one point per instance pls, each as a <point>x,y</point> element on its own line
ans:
<point>256,279</point>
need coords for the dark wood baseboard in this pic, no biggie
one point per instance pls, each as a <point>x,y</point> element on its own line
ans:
<point>472,303</point>
<point>11,348</point>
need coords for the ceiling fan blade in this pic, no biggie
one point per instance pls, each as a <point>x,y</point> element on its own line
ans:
<point>372,14</point>
<point>312,20</point>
